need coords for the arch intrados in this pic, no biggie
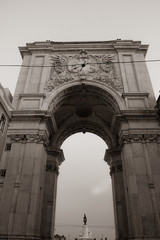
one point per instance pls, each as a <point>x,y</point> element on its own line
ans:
<point>84,126</point>
<point>56,98</point>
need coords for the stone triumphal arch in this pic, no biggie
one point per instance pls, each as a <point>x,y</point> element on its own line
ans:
<point>69,87</point>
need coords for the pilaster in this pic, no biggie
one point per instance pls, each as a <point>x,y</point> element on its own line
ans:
<point>113,158</point>
<point>54,159</point>
<point>23,184</point>
<point>140,155</point>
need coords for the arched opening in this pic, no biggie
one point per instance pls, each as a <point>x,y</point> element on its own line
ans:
<point>81,109</point>
<point>84,186</point>
<point>84,108</point>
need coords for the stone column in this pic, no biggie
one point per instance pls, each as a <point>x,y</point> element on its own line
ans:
<point>54,159</point>
<point>113,158</point>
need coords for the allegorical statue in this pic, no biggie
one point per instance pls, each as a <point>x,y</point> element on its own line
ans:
<point>85,219</point>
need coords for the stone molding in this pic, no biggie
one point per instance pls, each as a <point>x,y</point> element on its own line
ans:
<point>52,167</point>
<point>113,158</point>
<point>29,138</point>
<point>141,138</point>
<point>116,167</point>
<point>114,45</point>
<point>55,158</point>
<point>55,152</point>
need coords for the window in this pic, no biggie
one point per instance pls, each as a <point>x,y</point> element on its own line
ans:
<point>2,172</point>
<point>8,147</point>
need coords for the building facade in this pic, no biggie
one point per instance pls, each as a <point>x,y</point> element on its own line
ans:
<point>5,116</point>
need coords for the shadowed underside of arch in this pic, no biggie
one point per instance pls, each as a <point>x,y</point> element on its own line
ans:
<point>111,97</point>
<point>84,126</point>
<point>84,108</point>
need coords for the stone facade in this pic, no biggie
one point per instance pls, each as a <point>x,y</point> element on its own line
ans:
<point>65,88</point>
<point>5,115</point>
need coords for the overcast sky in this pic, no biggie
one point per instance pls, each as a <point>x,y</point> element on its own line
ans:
<point>84,181</point>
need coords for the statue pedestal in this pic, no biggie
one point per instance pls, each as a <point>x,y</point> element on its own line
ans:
<point>85,234</point>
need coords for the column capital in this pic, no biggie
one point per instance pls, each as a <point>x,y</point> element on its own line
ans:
<point>56,152</point>
<point>52,167</point>
<point>112,153</point>
<point>113,158</point>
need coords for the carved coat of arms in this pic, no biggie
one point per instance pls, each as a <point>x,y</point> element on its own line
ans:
<point>66,68</point>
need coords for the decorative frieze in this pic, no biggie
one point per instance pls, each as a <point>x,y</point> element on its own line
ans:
<point>131,138</point>
<point>151,137</point>
<point>84,66</point>
<point>29,138</point>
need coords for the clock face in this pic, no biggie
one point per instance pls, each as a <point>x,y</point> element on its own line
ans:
<point>82,65</point>
<point>75,65</point>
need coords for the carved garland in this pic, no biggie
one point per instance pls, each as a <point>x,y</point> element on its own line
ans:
<point>131,138</point>
<point>29,138</point>
<point>101,68</point>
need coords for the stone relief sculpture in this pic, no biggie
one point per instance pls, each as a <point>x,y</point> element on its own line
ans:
<point>82,66</point>
<point>58,64</point>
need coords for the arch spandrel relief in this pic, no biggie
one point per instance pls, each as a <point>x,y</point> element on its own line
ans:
<point>83,66</point>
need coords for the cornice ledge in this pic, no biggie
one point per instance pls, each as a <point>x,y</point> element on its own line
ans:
<point>32,95</point>
<point>28,113</point>
<point>135,94</point>
<point>126,115</point>
<point>139,113</point>
<point>48,46</point>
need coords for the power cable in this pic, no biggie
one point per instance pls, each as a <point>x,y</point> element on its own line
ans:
<point>83,64</point>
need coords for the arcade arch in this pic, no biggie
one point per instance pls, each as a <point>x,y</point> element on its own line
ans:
<point>84,181</point>
<point>82,108</point>
<point>86,108</point>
